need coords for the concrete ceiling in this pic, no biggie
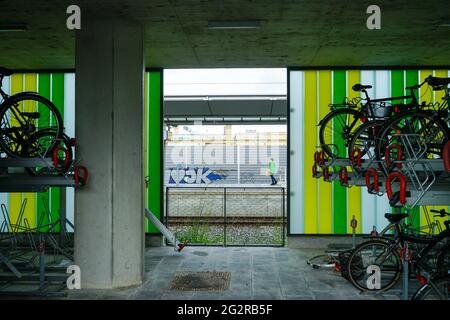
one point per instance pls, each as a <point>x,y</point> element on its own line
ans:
<point>292,33</point>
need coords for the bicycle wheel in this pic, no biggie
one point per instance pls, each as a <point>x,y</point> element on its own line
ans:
<point>323,261</point>
<point>426,129</point>
<point>443,262</point>
<point>374,253</point>
<point>437,289</point>
<point>40,147</point>
<point>21,116</point>
<point>336,130</point>
<point>364,138</point>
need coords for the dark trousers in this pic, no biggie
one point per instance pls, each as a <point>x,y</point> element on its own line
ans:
<point>274,181</point>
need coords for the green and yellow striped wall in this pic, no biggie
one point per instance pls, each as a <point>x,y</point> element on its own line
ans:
<point>318,207</point>
<point>60,89</point>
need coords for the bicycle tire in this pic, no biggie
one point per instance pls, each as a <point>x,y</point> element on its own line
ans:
<point>322,261</point>
<point>61,167</point>
<point>12,140</point>
<point>357,140</point>
<point>330,118</point>
<point>353,262</point>
<point>393,126</point>
<point>443,262</point>
<point>428,291</point>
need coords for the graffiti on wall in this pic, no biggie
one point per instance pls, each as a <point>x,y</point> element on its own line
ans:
<point>200,175</point>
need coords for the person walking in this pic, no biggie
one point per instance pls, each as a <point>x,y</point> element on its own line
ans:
<point>272,171</point>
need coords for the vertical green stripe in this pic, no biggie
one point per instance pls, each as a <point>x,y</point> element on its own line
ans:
<point>58,99</point>
<point>412,78</point>
<point>58,92</point>
<point>43,90</point>
<point>397,84</point>
<point>146,93</point>
<point>339,192</point>
<point>154,147</point>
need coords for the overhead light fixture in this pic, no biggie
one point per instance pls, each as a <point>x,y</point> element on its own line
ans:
<point>13,27</point>
<point>234,24</point>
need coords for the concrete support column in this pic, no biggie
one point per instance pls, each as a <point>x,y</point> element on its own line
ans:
<point>109,218</point>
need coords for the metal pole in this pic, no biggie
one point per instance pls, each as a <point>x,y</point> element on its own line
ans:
<point>63,216</point>
<point>239,164</point>
<point>282,224</point>
<point>225,216</point>
<point>166,216</point>
<point>41,263</point>
<point>406,271</point>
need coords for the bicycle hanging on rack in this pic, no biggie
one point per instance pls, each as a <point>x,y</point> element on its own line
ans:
<point>346,118</point>
<point>28,122</point>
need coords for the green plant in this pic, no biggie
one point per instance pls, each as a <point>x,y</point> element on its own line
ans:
<point>198,232</point>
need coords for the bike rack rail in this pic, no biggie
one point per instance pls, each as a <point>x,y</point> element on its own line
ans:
<point>20,244</point>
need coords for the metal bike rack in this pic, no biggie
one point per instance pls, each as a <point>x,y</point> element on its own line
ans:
<point>427,180</point>
<point>21,245</point>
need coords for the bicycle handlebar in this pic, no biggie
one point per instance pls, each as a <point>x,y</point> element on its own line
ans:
<point>441,212</point>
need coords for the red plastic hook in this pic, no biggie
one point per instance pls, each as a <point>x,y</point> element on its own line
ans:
<point>326,174</point>
<point>373,188</point>
<point>355,157</point>
<point>319,157</point>
<point>343,176</point>
<point>446,156</point>
<point>314,170</point>
<point>387,155</point>
<point>55,157</point>
<point>316,157</point>
<point>402,180</point>
<point>83,179</point>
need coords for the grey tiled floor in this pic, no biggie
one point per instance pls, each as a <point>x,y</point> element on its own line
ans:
<point>256,273</point>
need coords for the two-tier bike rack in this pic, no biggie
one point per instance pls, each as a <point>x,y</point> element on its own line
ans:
<point>409,180</point>
<point>21,244</point>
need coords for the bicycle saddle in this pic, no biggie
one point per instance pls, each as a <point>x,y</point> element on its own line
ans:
<point>438,83</point>
<point>360,87</point>
<point>395,217</point>
<point>5,72</point>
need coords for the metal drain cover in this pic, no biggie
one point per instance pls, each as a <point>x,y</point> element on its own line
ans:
<point>201,281</point>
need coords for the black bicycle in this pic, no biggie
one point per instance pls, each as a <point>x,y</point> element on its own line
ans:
<point>429,124</point>
<point>28,122</point>
<point>430,256</point>
<point>344,120</point>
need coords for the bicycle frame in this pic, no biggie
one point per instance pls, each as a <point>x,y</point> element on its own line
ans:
<point>369,101</point>
<point>401,238</point>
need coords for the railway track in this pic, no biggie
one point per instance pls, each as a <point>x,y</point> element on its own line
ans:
<point>230,220</point>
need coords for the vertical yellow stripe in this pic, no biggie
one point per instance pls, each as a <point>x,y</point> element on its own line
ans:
<point>440,94</point>
<point>438,98</point>
<point>425,94</point>
<point>325,188</point>
<point>30,210</point>
<point>354,193</point>
<point>15,199</point>
<point>310,214</point>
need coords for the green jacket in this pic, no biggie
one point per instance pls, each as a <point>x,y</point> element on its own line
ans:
<point>272,167</point>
